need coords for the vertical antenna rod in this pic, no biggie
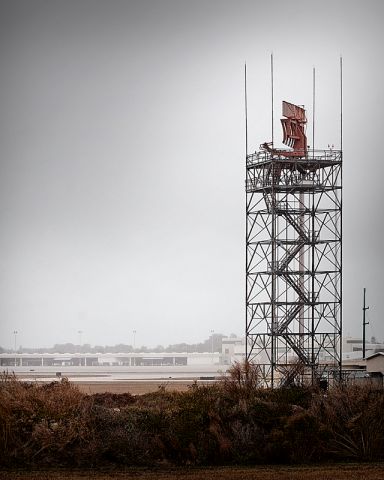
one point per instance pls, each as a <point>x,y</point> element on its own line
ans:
<point>313,112</point>
<point>364,322</point>
<point>341,103</point>
<point>246,209</point>
<point>341,215</point>
<point>272,96</point>
<point>246,109</point>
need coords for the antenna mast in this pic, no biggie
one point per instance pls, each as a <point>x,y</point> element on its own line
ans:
<point>246,109</point>
<point>313,112</point>
<point>272,97</point>
<point>341,103</point>
<point>364,322</point>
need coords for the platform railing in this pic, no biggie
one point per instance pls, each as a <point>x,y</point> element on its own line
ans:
<point>317,156</point>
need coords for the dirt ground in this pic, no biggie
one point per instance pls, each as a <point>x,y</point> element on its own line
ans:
<point>133,387</point>
<point>319,472</point>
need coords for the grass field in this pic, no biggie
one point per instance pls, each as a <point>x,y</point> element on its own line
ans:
<point>316,472</point>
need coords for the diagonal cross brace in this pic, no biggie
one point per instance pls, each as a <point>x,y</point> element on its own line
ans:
<point>291,315</point>
<point>297,349</point>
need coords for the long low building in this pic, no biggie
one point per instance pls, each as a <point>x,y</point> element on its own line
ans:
<point>120,372</point>
<point>108,359</point>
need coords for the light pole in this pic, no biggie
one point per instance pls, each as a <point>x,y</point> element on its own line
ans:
<point>80,332</point>
<point>212,332</point>
<point>364,323</point>
<point>15,334</point>
<point>134,339</point>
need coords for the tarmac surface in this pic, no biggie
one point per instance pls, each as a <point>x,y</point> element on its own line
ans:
<point>134,380</point>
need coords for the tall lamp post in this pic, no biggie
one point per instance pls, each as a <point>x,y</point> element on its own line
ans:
<point>15,332</point>
<point>212,332</point>
<point>133,359</point>
<point>80,332</point>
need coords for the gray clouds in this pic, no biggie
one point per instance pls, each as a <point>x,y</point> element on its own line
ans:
<point>122,158</point>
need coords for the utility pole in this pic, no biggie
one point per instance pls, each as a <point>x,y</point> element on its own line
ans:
<point>364,322</point>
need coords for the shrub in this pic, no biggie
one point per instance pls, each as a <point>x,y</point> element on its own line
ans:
<point>195,433</point>
<point>42,423</point>
<point>113,400</point>
<point>353,419</point>
<point>129,436</point>
<point>303,437</point>
<point>242,379</point>
<point>233,421</point>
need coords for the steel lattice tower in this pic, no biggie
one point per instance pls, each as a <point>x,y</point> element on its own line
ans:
<point>293,258</point>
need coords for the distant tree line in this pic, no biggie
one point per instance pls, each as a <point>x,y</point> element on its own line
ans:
<point>213,343</point>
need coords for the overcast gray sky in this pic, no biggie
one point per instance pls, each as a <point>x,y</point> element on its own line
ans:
<point>122,158</point>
